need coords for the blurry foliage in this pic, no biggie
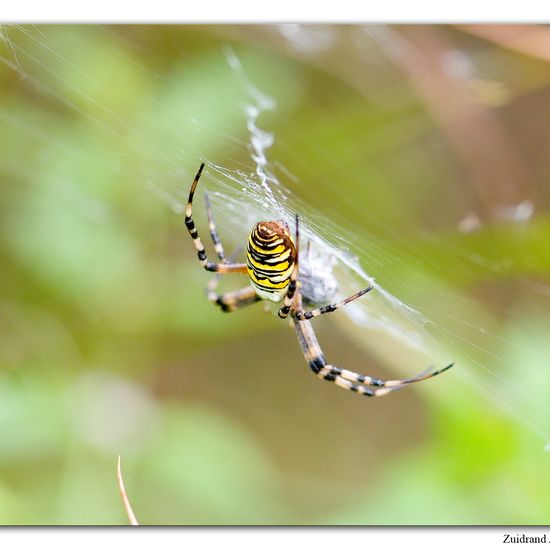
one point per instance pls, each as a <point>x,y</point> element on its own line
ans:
<point>109,346</point>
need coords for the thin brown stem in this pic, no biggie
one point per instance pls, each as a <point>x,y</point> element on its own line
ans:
<point>127,506</point>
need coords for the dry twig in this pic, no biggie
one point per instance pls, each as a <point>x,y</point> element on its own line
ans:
<point>127,506</point>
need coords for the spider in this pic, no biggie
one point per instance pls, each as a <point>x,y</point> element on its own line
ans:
<point>272,267</point>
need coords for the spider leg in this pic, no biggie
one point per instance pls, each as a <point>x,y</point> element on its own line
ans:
<point>284,310</point>
<point>299,313</point>
<point>349,380</point>
<point>201,252</point>
<point>302,315</point>
<point>232,301</point>
<point>351,376</point>
<point>213,231</point>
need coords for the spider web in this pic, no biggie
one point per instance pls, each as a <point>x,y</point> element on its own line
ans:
<point>243,193</point>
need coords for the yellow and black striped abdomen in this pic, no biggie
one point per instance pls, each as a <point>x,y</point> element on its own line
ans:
<point>270,257</point>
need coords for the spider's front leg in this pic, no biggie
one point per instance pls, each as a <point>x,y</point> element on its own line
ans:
<point>318,364</point>
<point>293,303</point>
<point>303,315</point>
<point>349,380</point>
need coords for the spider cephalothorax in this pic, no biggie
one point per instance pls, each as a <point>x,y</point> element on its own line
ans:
<point>272,264</point>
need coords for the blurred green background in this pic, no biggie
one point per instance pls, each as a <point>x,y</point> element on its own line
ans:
<point>428,145</point>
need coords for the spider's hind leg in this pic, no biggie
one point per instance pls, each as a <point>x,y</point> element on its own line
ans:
<point>213,231</point>
<point>231,301</point>
<point>222,267</point>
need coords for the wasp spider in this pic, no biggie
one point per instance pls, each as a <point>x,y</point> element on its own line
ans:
<point>272,266</point>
